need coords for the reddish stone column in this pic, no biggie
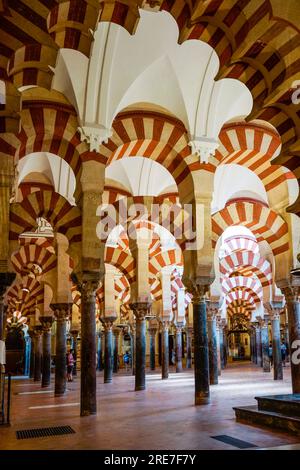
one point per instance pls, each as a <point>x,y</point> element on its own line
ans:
<point>61,313</point>
<point>46,322</point>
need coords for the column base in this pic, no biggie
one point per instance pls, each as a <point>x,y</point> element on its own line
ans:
<point>45,385</point>
<point>87,413</point>
<point>140,387</point>
<point>108,381</point>
<point>201,399</point>
<point>59,394</point>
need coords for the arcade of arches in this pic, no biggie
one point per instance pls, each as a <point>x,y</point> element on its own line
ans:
<point>150,196</point>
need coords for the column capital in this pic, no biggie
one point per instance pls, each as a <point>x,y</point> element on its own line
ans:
<point>46,322</point>
<point>37,331</point>
<point>164,325</point>
<point>74,333</point>
<point>87,283</point>
<point>116,330</point>
<point>179,327</point>
<point>108,323</point>
<point>152,331</point>
<point>61,311</point>
<point>212,310</point>
<point>291,293</point>
<point>197,289</point>
<point>140,309</point>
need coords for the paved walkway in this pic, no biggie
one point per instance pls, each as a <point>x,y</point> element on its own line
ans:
<point>162,417</point>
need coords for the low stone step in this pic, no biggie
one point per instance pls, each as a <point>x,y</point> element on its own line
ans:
<point>253,416</point>
<point>288,405</point>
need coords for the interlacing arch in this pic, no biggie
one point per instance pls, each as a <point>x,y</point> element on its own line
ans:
<point>156,136</point>
<point>263,222</point>
<point>245,259</point>
<point>253,146</point>
<point>53,207</point>
<point>25,294</point>
<point>30,255</point>
<point>241,282</point>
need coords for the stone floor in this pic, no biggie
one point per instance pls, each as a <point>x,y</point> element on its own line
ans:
<point>162,417</point>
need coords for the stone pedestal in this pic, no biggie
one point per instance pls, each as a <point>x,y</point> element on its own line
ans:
<point>140,310</point>
<point>178,355</point>
<point>201,358</point>
<point>152,335</point>
<point>61,313</point>
<point>37,353</point>
<point>108,353</point>
<point>212,347</point>
<point>46,322</point>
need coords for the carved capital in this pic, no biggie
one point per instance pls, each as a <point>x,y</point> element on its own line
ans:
<point>291,293</point>
<point>108,323</point>
<point>74,333</point>
<point>61,311</point>
<point>46,322</point>
<point>140,309</point>
<point>152,331</point>
<point>179,327</point>
<point>37,331</point>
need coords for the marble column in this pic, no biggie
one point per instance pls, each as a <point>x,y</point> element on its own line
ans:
<point>99,350</point>
<point>287,340</point>
<point>46,322</point>
<point>152,336</point>
<point>189,332</point>
<point>258,345</point>
<point>221,342</point>
<point>37,353</point>
<point>165,349</point>
<point>116,332</point>
<point>108,352</point>
<point>265,346</point>
<point>74,334</point>
<point>61,313</point>
<point>88,386</point>
<point>292,297</point>
<point>27,355</point>
<point>140,310</point>
<point>212,346</point>
<point>276,347</point>
<point>32,353</point>
<point>6,279</point>
<point>218,347</point>
<point>201,356</point>
<point>132,346</point>
<point>178,342</point>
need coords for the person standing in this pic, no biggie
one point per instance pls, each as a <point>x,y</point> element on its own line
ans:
<point>70,365</point>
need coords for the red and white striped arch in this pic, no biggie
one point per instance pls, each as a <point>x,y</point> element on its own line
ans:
<point>246,259</point>
<point>253,146</point>
<point>32,254</point>
<point>240,243</point>
<point>243,283</point>
<point>249,297</point>
<point>263,222</point>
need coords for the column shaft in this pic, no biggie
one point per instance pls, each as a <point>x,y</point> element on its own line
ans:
<point>152,349</point>
<point>178,349</point>
<point>258,347</point>
<point>212,348</point>
<point>60,357</point>
<point>189,348</point>
<point>108,354</point>
<point>294,338</point>
<point>140,353</point>
<point>165,352</point>
<point>276,346</point>
<point>37,354</point>
<point>201,359</point>
<point>265,348</point>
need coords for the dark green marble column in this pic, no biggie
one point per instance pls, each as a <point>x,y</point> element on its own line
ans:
<point>201,357</point>
<point>152,336</point>
<point>189,332</point>
<point>258,345</point>
<point>178,342</point>
<point>116,332</point>
<point>276,346</point>
<point>108,352</point>
<point>212,347</point>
